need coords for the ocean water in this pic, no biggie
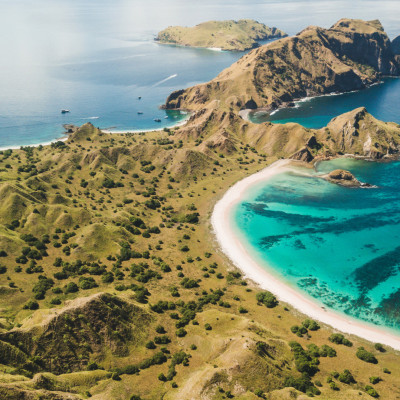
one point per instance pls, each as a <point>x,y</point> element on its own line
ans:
<point>96,58</point>
<point>339,245</point>
<point>381,100</point>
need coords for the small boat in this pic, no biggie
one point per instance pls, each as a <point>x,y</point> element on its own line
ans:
<point>166,117</point>
<point>65,111</point>
<point>157,119</point>
<point>140,112</point>
<point>140,98</point>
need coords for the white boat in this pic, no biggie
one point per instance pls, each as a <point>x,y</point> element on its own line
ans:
<point>65,111</point>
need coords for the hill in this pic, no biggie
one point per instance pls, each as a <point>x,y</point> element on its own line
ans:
<point>112,286</point>
<point>225,35</point>
<point>351,55</point>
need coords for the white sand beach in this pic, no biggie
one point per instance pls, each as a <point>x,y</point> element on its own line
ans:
<point>235,250</point>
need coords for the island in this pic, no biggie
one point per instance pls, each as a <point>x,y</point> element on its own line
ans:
<point>229,35</point>
<point>345,178</point>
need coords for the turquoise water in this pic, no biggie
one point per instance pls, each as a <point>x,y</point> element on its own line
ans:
<point>96,58</point>
<point>382,101</point>
<point>338,245</point>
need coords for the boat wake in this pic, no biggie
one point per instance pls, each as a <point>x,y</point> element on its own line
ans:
<point>165,80</point>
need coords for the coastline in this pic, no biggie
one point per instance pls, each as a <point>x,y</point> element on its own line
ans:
<point>177,125</point>
<point>65,138</point>
<point>245,113</point>
<point>238,254</point>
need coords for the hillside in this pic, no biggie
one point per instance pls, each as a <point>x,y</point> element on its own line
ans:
<point>351,55</point>
<point>225,35</point>
<point>112,286</point>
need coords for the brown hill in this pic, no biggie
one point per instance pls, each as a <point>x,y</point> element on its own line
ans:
<point>351,55</point>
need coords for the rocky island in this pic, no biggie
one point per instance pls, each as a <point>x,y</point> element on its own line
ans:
<point>225,35</point>
<point>344,178</point>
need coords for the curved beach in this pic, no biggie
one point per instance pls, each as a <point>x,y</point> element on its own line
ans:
<point>239,255</point>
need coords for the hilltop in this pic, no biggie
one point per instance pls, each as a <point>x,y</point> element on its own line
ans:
<point>350,55</point>
<point>225,35</point>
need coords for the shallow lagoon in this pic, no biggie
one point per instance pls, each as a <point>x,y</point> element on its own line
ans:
<point>338,245</point>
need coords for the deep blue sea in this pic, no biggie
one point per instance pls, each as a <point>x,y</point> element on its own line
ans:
<point>96,58</point>
<point>339,245</point>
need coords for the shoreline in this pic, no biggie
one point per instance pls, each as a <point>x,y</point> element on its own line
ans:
<point>66,137</point>
<point>177,125</point>
<point>232,247</point>
<point>245,113</point>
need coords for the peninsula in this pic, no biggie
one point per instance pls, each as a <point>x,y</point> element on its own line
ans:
<point>224,35</point>
<point>349,56</point>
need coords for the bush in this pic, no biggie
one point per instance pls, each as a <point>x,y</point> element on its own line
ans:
<point>379,347</point>
<point>371,391</point>
<point>3,269</point>
<point>303,384</point>
<point>31,305</point>
<point>160,329</point>
<point>374,379</point>
<point>150,345</point>
<point>303,361</point>
<point>164,339</point>
<point>338,338</point>
<point>267,298</point>
<point>366,356</point>
<point>86,283</point>
<point>346,377</point>
<point>208,327</point>
<point>327,351</point>
<point>72,287</point>
<point>181,332</point>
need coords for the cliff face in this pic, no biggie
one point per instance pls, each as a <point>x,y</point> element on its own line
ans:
<point>227,35</point>
<point>349,56</point>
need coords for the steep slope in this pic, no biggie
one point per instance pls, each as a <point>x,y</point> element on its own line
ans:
<point>349,56</point>
<point>226,35</point>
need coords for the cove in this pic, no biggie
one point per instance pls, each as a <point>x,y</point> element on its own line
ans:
<point>381,100</point>
<point>338,245</point>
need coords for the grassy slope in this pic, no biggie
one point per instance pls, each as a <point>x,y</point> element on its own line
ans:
<point>227,35</point>
<point>226,356</point>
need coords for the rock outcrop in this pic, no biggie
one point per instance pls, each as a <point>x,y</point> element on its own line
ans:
<point>351,55</point>
<point>343,178</point>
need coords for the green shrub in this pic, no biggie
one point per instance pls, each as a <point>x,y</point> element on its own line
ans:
<point>379,347</point>
<point>338,338</point>
<point>181,332</point>
<point>31,305</point>
<point>366,356</point>
<point>267,298</point>
<point>374,379</point>
<point>346,377</point>
<point>371,391</point>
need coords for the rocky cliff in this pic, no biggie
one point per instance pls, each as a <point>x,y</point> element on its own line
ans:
<point>351,55</point>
